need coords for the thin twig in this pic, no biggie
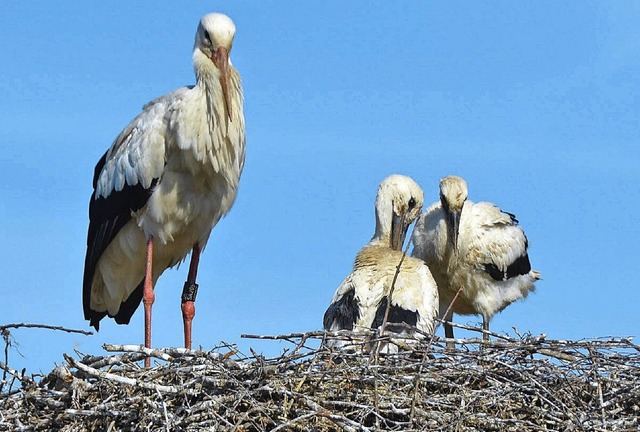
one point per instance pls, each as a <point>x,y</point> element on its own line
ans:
<point>119,379</point>
<point>45,326</point>
<point>393,283</point>
<point>5,335</point>
<point>17,375</point>
<point>148,352</point>
<point>510,385</point>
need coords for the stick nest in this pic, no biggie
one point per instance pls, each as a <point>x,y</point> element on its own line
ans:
<point>509,384</point>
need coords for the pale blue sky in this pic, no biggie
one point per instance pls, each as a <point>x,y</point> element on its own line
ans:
<point>535,103</point>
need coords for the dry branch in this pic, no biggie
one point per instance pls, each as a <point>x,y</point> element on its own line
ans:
<point>512,384</point>
<point>46,327</point>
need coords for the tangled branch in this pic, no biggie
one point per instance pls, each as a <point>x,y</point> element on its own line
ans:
<point>512,384</point>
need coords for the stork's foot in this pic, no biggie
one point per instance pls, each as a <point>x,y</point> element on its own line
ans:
<point>188,306</point>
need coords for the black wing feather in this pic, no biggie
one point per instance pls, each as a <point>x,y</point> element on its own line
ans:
<point>344,313</point>
<point>514,220</point>
<point>107,216</point>
<point>521,266</point>
<point>396,315</point>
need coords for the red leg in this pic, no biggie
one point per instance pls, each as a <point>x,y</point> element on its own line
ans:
<point>148,297</point>
<point>189,295</point>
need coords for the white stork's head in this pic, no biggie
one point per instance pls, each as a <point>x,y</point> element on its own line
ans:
<point>214,39</point>
<point>453,195</point>
<point>398,204</point>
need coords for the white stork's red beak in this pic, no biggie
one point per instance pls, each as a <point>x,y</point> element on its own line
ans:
<point>221,60</point>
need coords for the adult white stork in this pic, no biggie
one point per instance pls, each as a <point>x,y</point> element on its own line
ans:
<point>475,248</point>
<point>164,183</point>
<point>360,302</point>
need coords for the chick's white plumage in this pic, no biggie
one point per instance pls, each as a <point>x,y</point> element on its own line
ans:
<point>474,247</point>
<point>360,302</point>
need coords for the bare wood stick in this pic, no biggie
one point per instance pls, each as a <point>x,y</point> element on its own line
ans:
<point>391,290</point>
<point>287,337</point>
<point>119,379</point>
<point>45,326</point>
<point>287,425</point>
<point>20,377</point>
<point>95,413</point>
<point>446,313</point>
<point>510,386</point>
<point>167,423</point>
<point>100,362</point>
<point>7,342</point>
<point>479,330</point>
<point>149,352</point>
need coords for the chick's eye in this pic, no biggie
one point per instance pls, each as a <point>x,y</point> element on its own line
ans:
<point>207,39</point>
<point>412,203</point>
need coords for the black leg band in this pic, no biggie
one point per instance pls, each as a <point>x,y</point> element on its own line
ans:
<point>189,292</point>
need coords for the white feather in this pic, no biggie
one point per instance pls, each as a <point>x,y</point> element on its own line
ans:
<point>487,235</point>
<point>376,265</point>
<point>194,148</point>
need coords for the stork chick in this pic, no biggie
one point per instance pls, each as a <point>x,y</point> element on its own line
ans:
<point>474,248</point>
<point>360,302</point>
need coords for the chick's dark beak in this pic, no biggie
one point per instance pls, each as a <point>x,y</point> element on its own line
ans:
<point>453,227</point>
<point>398,231</point>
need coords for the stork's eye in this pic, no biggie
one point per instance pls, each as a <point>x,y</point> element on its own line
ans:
<point>207,39</point>
<point>412,203</point>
